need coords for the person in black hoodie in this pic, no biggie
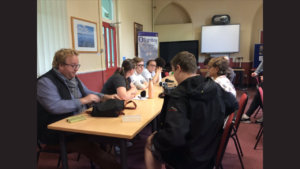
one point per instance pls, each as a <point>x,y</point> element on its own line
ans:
<point>191,122</point>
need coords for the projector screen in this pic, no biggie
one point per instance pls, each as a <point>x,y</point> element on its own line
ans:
<point>220,39</point>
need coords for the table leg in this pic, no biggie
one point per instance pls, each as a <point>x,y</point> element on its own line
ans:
<point>63,149</point>
<point>154,125</point>
<point>123,151</point>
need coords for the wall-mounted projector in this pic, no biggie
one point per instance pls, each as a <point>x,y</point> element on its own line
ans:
<point>220,19</point>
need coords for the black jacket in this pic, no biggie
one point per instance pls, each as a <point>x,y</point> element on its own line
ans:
<point>191,124</point>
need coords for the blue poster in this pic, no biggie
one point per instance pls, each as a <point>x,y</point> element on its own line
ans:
<point>258,55</point>
<point>147,45</point>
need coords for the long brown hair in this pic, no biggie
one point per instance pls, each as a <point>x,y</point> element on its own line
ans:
<point>127,65</point>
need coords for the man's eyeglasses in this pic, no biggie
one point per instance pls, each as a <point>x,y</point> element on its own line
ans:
<point>153,65</point>
<point>74,66</point>
<point>140,65</point>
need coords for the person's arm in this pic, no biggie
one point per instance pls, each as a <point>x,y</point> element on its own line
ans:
<point>260,68</point>
<point>156,76</point>
<point>88,91</point>
<point>146,74</point>
<point>126,95</point>
<point>49,98</point>
<point>145,83</point>
<point>174,134</point>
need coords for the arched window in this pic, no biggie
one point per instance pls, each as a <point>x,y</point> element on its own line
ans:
<point>108,9</point>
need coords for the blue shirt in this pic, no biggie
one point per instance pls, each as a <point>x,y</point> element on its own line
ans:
<point>49,98</point>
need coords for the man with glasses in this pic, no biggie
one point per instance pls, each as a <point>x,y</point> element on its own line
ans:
<point>61,94</point>
<point>152,71</point>
<point>137,79</point>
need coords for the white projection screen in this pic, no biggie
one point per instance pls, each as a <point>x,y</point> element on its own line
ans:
<point>220,38</point>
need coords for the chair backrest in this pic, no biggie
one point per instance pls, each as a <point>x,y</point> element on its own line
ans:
<point>224,140</point>
<point>242,105</point>
<point>261,93</point>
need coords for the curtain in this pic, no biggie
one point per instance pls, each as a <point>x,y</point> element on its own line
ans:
<point>52,32</point>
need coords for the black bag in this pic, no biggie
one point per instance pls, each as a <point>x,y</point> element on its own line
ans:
<point>110,108</point>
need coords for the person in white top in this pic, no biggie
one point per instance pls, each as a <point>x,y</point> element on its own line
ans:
<point>217,68</point>
<point>137,79</point>
<point>150,72</point>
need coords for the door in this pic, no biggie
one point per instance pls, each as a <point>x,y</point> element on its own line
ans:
<point>109,34</point>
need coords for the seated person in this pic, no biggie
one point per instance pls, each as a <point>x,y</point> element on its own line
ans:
<point>230,72</point>
<point>217,71</point>
<point>192,119</point>
<point>150,71</point>
<point>137,79</point>
<point>206,65</point>
<point>256,102</point>
<point>61,94</point>
<point>120,83</point>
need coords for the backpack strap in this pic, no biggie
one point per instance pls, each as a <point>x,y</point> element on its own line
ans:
<point>130,101</point>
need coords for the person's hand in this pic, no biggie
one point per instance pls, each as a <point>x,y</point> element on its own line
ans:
<point>158,70</point>
<point>149,141</point>
<point>254,74</point>
<point>89,99</point>
<point>113,96</point>
<point>261,78</point>
<point>133,91</point>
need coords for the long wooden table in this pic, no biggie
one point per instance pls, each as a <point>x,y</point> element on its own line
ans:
<point>113,127</point>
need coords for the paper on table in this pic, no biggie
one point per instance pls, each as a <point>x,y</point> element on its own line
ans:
<point>138,97</point>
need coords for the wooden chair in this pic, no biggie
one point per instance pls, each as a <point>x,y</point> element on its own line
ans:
<point>224,140</point>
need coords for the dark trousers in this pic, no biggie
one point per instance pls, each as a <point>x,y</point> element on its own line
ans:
<point>103,157</point>
<point>255,102</point>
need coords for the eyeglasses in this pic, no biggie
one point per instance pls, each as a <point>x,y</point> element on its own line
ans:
<point>74,66</point>
<point>140,65</point>
<point>153,65</point>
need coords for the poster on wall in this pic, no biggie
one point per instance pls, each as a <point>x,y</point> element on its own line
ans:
<point>258,54</point>
<point>147,45</point>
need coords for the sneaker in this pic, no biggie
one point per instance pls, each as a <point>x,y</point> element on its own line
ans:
<point>259,121</point>
<point>245,119</point>
<point>117,148</point>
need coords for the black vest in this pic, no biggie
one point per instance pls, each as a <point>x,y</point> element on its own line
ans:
<point>44,118</point>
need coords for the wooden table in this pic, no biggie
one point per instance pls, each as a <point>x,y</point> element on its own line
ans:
<point>113,127</point>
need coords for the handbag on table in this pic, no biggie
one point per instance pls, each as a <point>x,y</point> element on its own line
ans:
<point>111,108</point>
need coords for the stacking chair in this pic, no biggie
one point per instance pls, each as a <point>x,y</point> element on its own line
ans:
<point>224,140</point>
<point>242,104</point>
<point>260,132</point>
<point>46,149</point>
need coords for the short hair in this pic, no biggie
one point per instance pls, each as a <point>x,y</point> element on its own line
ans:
<point>61,55</point>
<point>186,61</point>
<point>138,60</point>
<point>207,60</point>
<point>150,61</point>
<point>221,63</point>
<point>160,62</point>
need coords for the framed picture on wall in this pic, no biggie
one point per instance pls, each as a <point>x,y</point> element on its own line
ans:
<point>84,35</point>
<point>137,27</point>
